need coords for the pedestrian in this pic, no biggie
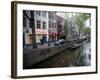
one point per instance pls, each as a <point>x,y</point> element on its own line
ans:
<point>41,40</point>
<point>49,43</point>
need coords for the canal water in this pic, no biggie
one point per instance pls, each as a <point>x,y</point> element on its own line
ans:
<point>69,58</point>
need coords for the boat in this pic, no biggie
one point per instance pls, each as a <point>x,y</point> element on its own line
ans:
<point>73,46</point>
<point>77,41</point>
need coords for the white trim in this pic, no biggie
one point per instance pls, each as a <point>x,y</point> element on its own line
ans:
<point>21,72</point>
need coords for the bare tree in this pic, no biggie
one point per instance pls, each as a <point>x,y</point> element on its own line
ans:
<point>32,25</point>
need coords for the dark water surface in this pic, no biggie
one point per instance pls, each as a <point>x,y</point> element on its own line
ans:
<point>76,57</point>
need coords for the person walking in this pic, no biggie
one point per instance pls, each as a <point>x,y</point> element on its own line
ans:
<point>41,41</point>
<point>49,43</point>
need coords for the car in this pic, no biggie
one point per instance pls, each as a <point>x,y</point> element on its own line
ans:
<point>60,41</point>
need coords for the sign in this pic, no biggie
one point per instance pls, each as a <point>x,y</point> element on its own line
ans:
<point>41,31</point>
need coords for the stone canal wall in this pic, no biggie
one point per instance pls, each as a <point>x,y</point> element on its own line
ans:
<point>33,56</point>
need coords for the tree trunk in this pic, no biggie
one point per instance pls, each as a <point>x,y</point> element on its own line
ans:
<point>33,30</point>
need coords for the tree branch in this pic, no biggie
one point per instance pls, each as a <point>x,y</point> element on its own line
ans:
<point>26,15</point>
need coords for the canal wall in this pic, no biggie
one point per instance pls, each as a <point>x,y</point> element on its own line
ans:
<point>33,56</point>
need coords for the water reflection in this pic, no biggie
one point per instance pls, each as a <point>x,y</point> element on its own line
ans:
<point>85,57</point>
<point>77,57</point>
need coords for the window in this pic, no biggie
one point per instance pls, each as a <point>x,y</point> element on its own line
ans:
<point>50,16</point>
<point>38,13</point>
<point>50,25</point>
<point>54,25</point>
<point>44,25</point>
<point>44,13</point>
<point>38,24</point>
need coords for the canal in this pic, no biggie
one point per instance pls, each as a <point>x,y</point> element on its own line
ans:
<point>69,58</point>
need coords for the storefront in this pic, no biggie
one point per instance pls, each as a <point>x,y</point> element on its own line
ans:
<point>53,36</point>
<point>40,34</point>
<point>27,39</point>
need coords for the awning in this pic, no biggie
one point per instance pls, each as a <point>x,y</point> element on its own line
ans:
<point>53,33</point>
<point>41,31</point>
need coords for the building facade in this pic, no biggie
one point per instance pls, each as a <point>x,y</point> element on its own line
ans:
<point>73,30</point>
<point>27,31</point>
<point>52,22</point>
<point>60,27</point>
<point>45,26</point>
<point>41,25</point>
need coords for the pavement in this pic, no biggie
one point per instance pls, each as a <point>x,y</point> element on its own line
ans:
<point>45,45</point>
<point>32,56</point>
